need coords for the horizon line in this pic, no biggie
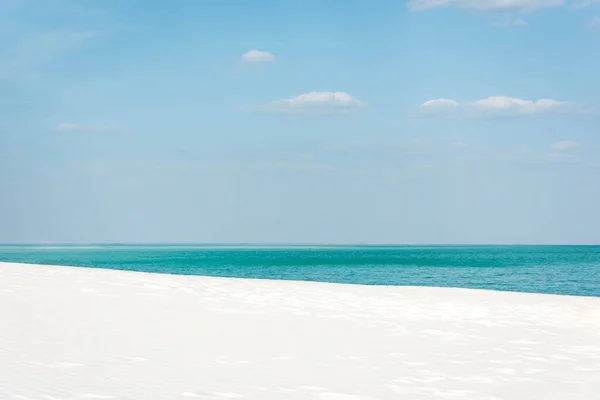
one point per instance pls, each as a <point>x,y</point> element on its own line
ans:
<point>280,244</point>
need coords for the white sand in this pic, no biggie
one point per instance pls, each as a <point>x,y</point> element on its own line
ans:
<point>76,333</point>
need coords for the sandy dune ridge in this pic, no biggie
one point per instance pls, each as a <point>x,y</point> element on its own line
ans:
<point>78,333</point>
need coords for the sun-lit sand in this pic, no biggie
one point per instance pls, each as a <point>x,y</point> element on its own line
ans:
<point>77,333</point>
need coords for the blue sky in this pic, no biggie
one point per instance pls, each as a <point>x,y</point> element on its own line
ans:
<point>300,121</point>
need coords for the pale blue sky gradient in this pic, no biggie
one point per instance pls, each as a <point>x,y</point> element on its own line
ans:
<point>140,121</point>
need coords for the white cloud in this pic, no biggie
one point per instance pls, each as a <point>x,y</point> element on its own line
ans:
<point>440,104</point>
<point>493,106</point>
<point>487,5</point>
<point>71,127</point>
<point>564,145</point>
<point>518,106</point>
<point>257,56</point>
<point>313,103</point>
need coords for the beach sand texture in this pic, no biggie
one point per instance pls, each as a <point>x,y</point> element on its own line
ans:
<point>77,333</point>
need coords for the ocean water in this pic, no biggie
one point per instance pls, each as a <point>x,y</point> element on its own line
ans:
<point>571,270</point>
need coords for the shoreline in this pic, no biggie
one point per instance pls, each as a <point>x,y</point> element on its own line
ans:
<point>76,333</point>
<point>300,281</point>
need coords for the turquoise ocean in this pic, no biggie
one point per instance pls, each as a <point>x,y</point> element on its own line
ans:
<point>570,270</point>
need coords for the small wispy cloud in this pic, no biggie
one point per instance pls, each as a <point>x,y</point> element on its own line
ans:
<point>257,56</point>
<point>408,146</point>
<point>32,40</point>
<point>510,21</point>
<point>563,152</point>
<point>530,156</point>
<point>313,103</point>
<point>594,23</point>
<point>487,5</point>
<point>558,157</point>
<point>71,127</point>
<point>493,106</point>
<point>583,3</point>
<point>564,145</point>
<point>34,50</point>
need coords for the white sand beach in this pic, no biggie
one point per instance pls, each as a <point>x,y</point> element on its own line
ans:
<point>77,333</point>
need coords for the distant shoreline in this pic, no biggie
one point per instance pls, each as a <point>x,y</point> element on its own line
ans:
<point>287,245</point>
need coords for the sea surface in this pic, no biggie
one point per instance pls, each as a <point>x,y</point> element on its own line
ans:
<point>570,270</point>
